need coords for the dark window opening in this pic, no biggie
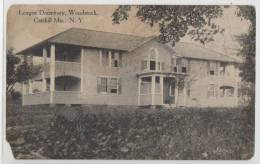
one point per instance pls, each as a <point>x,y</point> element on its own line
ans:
<point>157,79</point>
<point>211,72</point>
<point>152,65</point>
<point>116,63</point>
<point>184,70</point>
<point>175,69</point>
<point>113,90</point>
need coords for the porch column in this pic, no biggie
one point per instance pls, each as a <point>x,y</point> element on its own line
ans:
<point>52,72</point>
<point>184,93</point>
<point>109,58</point>
<point>100,57</point>
<point>81,69</point>
<point>30,86</point>
<point>176,90</point>
<point>44,57</point>
<point>139,89</point>
<point>153,89</point>
<point>23,89</point>
<point>161,88</point>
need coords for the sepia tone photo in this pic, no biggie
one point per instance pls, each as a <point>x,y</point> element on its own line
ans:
<point>130,82</point>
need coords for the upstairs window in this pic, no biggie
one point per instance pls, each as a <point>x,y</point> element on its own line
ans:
<point>105,56</point>
<point>153,57</point>
<point>212,68</point>
<point>174,64</point>
<point>115,59</point>
<point>179,65</point>
<point>222,68</point>
<point>184,65</point>
<point>151,62</point>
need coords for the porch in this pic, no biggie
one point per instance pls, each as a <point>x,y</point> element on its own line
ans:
<point>55,97</point>
<point>61,78</point>
<point>158,89</point>
<point>67,90</point>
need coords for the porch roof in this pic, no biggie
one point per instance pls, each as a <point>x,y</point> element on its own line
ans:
<point>94,39</point>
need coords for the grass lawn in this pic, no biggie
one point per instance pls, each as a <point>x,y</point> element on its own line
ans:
<point>102,132</point>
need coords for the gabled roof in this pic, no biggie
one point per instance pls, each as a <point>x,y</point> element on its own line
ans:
<point>189,50</point>
<point>95,39</point>
<point>125,42</point>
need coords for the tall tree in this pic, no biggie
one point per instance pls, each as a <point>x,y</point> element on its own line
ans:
<point>247,42</point>
<point>18,71</point>
<point>12,61</point>
<point>177,21</point>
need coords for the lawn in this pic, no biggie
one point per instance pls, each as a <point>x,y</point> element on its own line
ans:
<point>107,132</point>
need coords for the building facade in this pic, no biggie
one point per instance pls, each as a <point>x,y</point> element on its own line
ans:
<point>81,66</point>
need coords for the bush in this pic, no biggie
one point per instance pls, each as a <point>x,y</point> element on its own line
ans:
<point>147,134</point>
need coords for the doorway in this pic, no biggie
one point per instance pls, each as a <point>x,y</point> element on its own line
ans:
<point>169,90</point>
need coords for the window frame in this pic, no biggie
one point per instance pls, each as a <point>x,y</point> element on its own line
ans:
<point>108,85</point>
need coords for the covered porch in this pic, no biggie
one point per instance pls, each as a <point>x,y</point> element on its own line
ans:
<point>61,78</point>
<point>158,89</point>
<point>65,91</point>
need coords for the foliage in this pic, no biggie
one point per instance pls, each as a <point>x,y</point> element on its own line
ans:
<point>12,61</point>
<point>130,133</point>
<point>17,71</point>
<point>248,43</point>
<point>177,21</point>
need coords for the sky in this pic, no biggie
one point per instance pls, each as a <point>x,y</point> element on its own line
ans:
<point>23,32</point>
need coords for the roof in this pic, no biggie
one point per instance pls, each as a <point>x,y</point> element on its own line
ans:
<point>125,42</point>
<point>95,39</point>
<point>189,50</point>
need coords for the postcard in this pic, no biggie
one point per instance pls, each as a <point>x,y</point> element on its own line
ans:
<point>131,82</point>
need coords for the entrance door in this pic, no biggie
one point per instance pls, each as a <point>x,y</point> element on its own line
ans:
<point>168,90</point>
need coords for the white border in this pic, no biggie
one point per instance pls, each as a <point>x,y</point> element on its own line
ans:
<point>5,155</point>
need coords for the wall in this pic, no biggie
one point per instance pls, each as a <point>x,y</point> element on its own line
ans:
<point>133,68</point>
<point>200,80</point>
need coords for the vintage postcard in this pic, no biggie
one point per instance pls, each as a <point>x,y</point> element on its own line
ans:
<point>141,82</point>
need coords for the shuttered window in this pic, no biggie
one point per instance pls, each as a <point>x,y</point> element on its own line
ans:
<point>108,85</point>
<point>212,91</point>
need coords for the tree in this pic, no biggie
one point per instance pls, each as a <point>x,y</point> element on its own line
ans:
<point>177,21</point>
<point>18,71</point>
<point>247,42</point>
<point>12,62</point>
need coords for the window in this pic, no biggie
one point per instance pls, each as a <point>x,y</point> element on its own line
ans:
<point>146,85</point>
<point>184,65</point>
<point>212,92</point>
<point>104,58</point>
<point>115,59</point>
<point>113,85</point>
<point>174,64</point>
<point>153,56</point>
<point>212,68</point>
<point>226,91</point>
<point>102,85</point>
<point>222,68</point>
<point>108,85</point>
<point>152,65</point>
<point>157,84</point>
<point>151,62</point>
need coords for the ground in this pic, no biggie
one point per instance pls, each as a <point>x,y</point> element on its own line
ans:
<point>105,132</point>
